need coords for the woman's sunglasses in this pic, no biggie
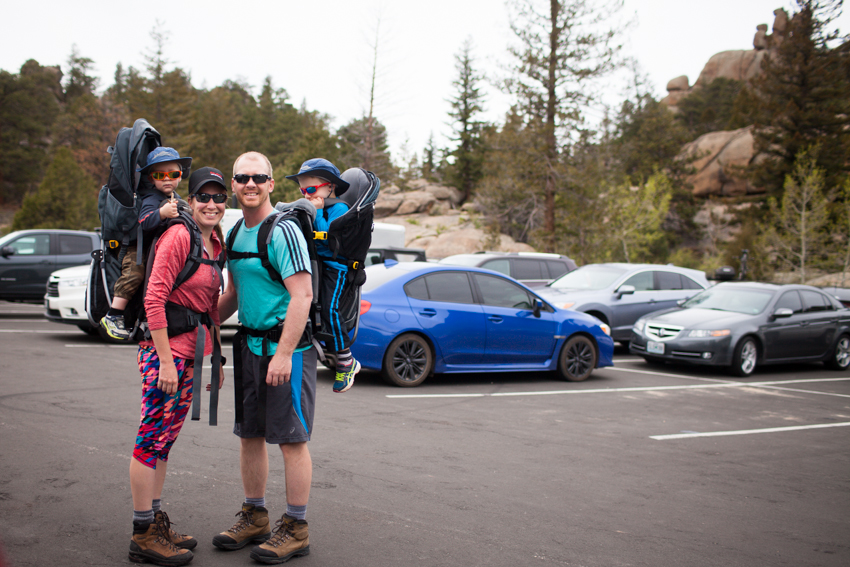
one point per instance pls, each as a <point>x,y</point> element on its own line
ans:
<point>160,175</point>
<point>259,179</point>
<point>312,190</point>
<point>218,198</point>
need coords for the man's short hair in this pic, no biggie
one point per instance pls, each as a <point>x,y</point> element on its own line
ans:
<point>256,155</point>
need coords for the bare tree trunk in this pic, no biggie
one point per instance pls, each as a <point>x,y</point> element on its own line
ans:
<point>551,140</point>
<point>370,120</point>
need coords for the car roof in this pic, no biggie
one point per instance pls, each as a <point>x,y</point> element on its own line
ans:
<point>635,267</point>
<point>769,286</point>
<point>484,256</point>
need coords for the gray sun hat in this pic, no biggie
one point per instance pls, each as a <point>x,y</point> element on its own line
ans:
<point>164,155</point>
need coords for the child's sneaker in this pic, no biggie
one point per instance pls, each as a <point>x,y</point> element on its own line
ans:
<point>114,327</point>
<point>345,380</point>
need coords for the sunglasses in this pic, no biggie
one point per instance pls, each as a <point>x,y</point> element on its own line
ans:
<point>312,190</point>
<point>218,198</point>
<point>243,178</point>
<point>160,175</point>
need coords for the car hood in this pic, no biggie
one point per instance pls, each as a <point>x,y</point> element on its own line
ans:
<point>574,295</point>
<point>72,272</point>
<point>698,318</point>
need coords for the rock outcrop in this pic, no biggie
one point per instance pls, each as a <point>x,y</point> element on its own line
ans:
<point>740,65</point>
<point>717,157</point>
<point>433,221</point>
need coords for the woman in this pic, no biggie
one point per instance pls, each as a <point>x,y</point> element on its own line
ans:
<point>167,365</point>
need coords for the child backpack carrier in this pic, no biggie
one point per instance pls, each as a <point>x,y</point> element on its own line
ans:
<point>349,237</point>
<point>118,206</point>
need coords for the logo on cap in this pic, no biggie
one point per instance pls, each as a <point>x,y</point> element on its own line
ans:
<point>216,175</point>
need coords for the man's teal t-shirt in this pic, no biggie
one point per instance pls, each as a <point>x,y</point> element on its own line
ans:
<point>262,300</point>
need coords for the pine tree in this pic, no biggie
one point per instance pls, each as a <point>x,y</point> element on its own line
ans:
<point>802,98</point>
<point>66,198</point>
<point>635,216</point>
<point>562,52</point>
<point>29,105</point>
<point>467,103</point>
<point>796,227</point>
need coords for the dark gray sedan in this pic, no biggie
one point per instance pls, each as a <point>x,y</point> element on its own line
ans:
<point>742,325</point>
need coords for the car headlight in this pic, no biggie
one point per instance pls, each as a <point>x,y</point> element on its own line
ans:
<point>605,329</point>
<point>639,325</point>
<point>74,282</point>
<point>704,333</point>
<point>565,305</point>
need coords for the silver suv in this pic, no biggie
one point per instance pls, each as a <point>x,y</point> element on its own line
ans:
<point>534,269</point>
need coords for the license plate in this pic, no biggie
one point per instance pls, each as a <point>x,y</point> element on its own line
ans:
<point>655,347</point>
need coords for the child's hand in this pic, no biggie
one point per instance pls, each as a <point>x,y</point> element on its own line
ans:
<point>168,210</point>
<point>318,202</point>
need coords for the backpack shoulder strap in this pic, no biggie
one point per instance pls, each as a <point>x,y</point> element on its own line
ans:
<point>196,252</point>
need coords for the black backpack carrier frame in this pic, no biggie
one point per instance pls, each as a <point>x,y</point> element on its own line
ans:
<point>119,204</point>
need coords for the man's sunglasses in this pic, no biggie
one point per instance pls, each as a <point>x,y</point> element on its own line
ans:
<point>312,190</point>
<point>218,198</point>
<point>243,178</point>
<point>160,175</point>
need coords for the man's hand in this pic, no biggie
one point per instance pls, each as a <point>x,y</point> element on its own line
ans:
<point>168,210</point>
<point>167,377</point>
<point>280,368</point>
<point>220,379</point>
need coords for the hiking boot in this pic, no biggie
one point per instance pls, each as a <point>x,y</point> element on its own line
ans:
<point>345,380</point>
<point>151,544</point>
<point>252,526</point>
<point>114,327</point>
<point>182,541</point>
<point>290,539</point>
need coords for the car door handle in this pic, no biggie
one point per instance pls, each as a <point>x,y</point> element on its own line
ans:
<point>804,323</point>
<point>495,318</point>
<point>44,262</point>
<point>652,301</point>
<point>428,312</point>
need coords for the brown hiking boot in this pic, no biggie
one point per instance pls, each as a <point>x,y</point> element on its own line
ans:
<point>252,526</point>
<point>154,546</point>
<point>290,539</point>
<point>182,541</point>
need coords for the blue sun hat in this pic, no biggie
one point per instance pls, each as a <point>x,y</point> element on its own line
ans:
<point>163,155</point>
<point>320,167</point>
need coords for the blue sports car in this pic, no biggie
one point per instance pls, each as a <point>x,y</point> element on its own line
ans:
<point>419,318</point>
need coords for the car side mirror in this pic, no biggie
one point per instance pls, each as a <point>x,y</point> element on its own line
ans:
<point>782,312</point>
<point>625,290</point>
<point>7,251</point>
<point>535,307</point>
<point>681,302</point>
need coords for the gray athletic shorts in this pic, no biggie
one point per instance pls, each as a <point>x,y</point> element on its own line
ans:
<point>289,408</point>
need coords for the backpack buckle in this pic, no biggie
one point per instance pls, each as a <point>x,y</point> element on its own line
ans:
<point>317,235</point>
<point>113,244</point>
<point>355,265</point>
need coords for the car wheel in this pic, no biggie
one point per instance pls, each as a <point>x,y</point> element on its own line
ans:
<point>330,361</point>
<point>840,357</point>
<point>578,359</point>
<point>88,329</point>
<point>408,361</point>
<point>745,357</point>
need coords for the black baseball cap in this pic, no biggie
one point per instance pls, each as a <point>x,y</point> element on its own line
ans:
<point>201,177</point>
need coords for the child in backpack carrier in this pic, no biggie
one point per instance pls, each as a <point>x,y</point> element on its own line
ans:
<point>319,180</point>
<point>165,169</point>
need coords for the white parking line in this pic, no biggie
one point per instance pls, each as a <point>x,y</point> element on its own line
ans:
<point>723,384</point>
<point>747,431</point>
<point>35,331</point>
<point>33,320</point>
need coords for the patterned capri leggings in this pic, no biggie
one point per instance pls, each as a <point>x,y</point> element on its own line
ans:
<point>162,416</point>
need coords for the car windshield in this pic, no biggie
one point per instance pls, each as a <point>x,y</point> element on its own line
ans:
<point>737,300</point>
<point>589,277</point>
<point>462,260</point>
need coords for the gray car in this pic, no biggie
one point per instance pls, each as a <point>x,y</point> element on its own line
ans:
<point>534,269</point>
<point>741,325</point>
<point>619,294</point>
<point>28,257</point>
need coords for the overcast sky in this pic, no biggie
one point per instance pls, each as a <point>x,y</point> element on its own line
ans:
<point>320,51</point>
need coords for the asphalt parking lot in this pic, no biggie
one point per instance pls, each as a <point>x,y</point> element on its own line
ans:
<point>639,465</point>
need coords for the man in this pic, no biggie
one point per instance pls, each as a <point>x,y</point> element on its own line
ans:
<point>275,380</point>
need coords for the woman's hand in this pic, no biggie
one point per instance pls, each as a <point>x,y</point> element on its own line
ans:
<point>167,377</point>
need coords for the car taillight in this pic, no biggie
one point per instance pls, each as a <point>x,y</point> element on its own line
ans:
<point>364,306</point>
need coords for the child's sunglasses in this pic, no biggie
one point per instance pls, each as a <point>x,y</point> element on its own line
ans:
<point>160,175</point>
<point>218,198</point>
<point>259,179</point>
<point>312,190</point>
